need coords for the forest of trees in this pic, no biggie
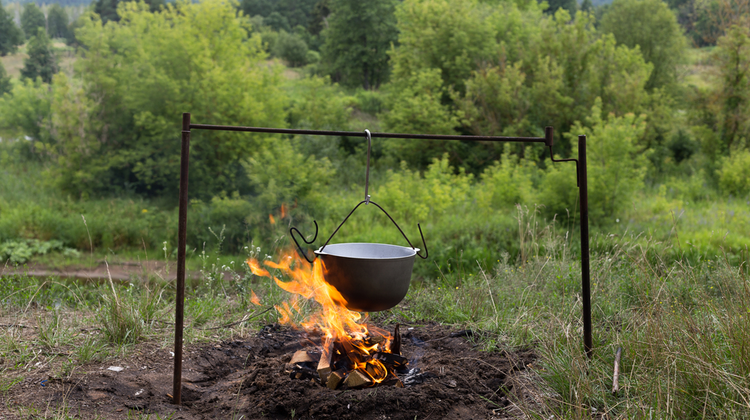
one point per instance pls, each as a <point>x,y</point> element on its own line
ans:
<point>484,67</point>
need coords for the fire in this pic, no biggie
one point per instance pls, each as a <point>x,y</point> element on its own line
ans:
<point>341,329</point>
<point>254,299</point>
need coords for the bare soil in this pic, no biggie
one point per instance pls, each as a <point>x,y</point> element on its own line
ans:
<point>123,271</point>
<point>246,379</point>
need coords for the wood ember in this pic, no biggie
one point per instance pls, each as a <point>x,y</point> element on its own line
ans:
<point>397,361</point>
<point>347,364</point>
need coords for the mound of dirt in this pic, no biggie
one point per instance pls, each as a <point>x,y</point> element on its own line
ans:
<point>247,379</point>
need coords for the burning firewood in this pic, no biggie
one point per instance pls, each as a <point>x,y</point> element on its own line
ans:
<point>357,379</point>
<point>303,356</point>
<point>335,378</point>
<point>396,343</point>
<point>396,361</point>
<point>324,365</point>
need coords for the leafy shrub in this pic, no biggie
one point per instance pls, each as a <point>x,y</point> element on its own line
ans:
<point>507,182</point>
<point>312,57</point>
<point>21,250</point>
<point>734,174</point>
<point>280,174</point>
<point>369,101</point>
<point>223,221</point>
<point>291,48</point>
<point>414,198</point>
<point>616,168</point>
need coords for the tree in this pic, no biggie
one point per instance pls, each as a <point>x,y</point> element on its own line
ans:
<point>5,85</point>
<point>587,6</point>
<point>504,70</point>
<point>732,100</point>
<point>555,5</point>
<point>57,22</point>
<point>452,36</point>
<point>10,34</point>
<point>41,61</point>
<point>358,37</point>
<point>117,127</point>
<point>31,19</point>
<point>292,12</point>
<point>650,25</point>
<point>107,9</point>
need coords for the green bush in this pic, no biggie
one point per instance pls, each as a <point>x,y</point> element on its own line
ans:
<point>616,167</point>
<point>369,101</point>
<point>20,251</point>
<point>223,221</point>
<point>734,174</point>
<point>291,48</point>
<point>507,182</point>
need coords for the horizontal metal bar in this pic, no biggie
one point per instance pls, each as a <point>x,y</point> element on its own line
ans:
<point>363,134</point>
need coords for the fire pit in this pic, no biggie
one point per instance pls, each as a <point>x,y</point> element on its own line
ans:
<point>348,354</point>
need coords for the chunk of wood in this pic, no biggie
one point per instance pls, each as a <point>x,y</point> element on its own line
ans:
<point>352,353</point>
<point>389,359</point>
<point>395,347</point>
<point>302,356</point>
<point>357,379</point>
<point>393,381</point>
<point>324,364</point>
<point>616,376</point>
<point>335,378</point>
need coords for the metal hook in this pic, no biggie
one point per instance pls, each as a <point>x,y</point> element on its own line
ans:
<point>367,173</point>
<point>302,251</point>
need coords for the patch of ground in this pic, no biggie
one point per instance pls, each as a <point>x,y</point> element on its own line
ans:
<point>247,379</point>
<point>124,271</point>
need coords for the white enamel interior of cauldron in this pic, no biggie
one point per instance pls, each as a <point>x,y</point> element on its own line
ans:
<point>368,251</point>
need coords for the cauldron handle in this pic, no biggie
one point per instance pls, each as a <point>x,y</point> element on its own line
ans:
<point>368,201</point>
<point>302,251</point>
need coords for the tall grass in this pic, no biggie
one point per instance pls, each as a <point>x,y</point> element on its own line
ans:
<point>684,327</point>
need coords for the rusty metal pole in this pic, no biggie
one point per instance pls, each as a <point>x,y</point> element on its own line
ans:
<point>181,245</point>
<point>588,342</point>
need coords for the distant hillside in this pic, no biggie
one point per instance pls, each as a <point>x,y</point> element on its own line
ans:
<point>43,2</point>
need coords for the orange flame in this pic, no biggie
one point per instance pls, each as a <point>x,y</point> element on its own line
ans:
<point>254,299</point>
<point>333,319</point>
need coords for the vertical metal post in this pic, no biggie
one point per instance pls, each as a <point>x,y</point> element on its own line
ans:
<point>588,342</point>
<point>181,245</point>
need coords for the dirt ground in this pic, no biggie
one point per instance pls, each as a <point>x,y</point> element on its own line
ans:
<point>124,271</point>
<point>247,379</point>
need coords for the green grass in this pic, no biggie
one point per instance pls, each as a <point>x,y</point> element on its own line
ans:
<point>13,63</point>
<point>698,69</point>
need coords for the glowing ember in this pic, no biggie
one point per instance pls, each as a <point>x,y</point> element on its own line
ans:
<point>344,338</point>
